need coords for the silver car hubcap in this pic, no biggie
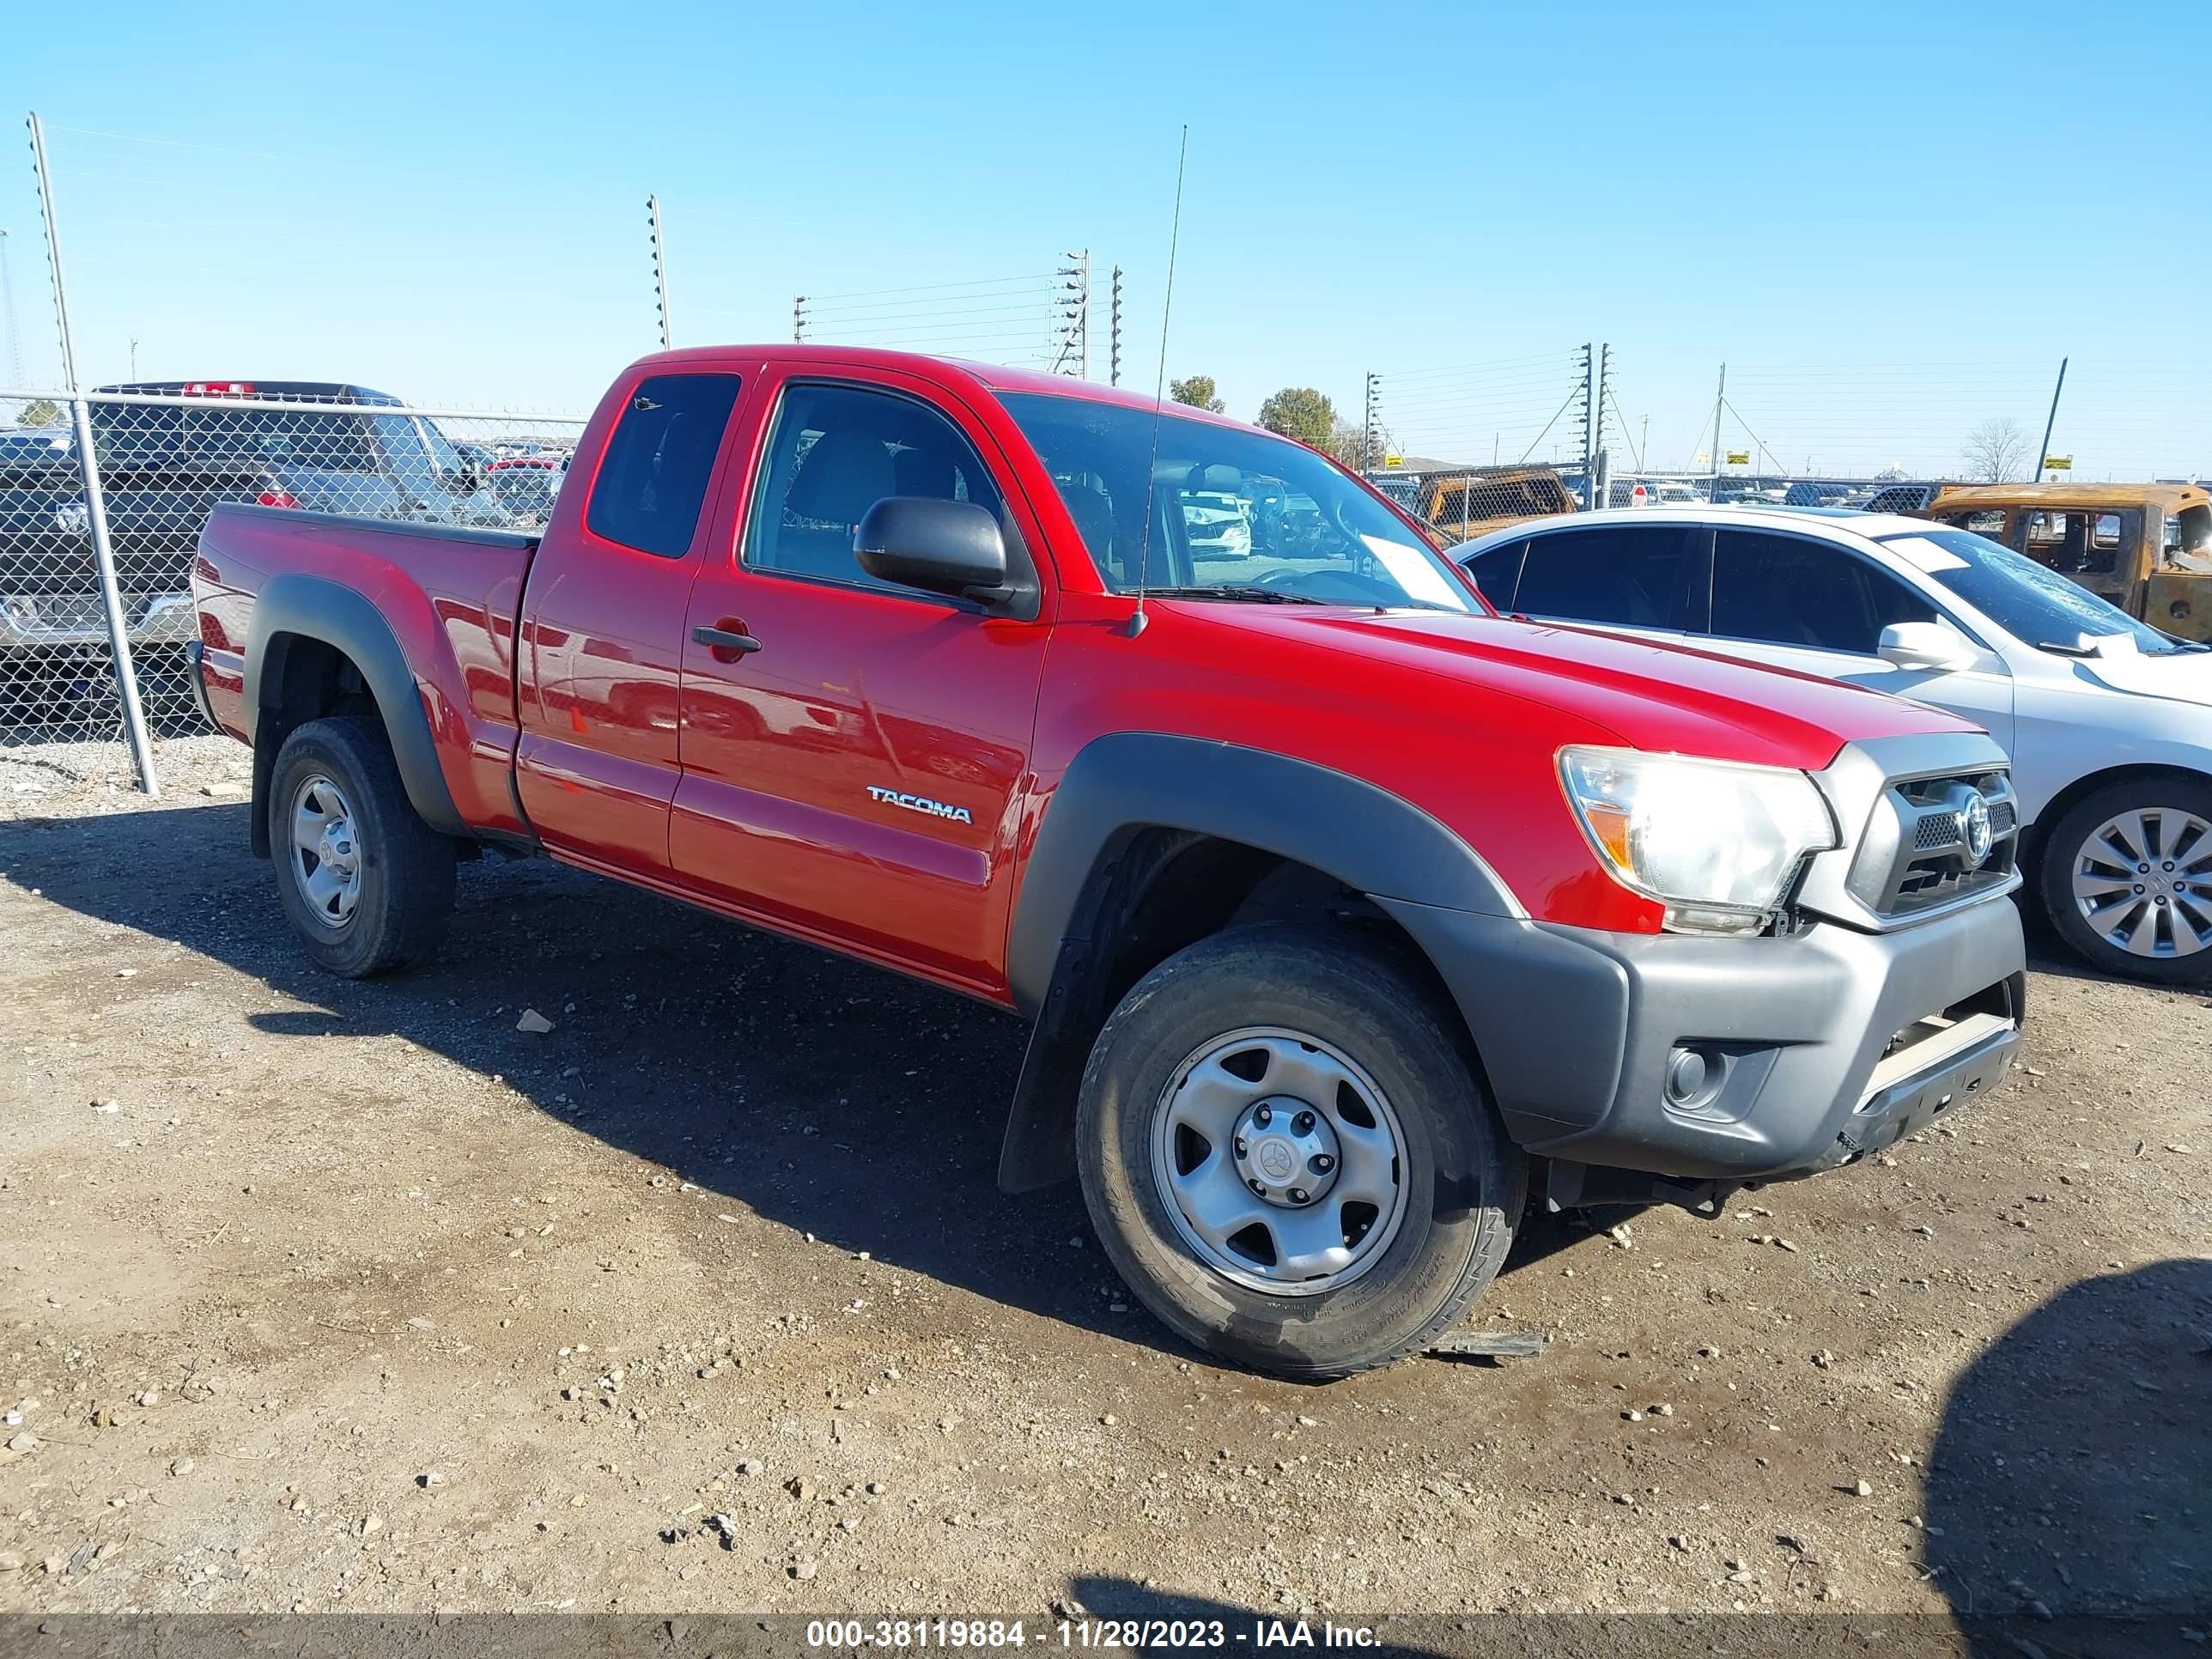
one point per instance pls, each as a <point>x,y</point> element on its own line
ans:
<point>2143,882</point>
<point>1279,1162</point>
<point>325,857</point>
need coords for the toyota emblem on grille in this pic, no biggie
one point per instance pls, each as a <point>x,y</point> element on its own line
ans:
<point>1974,828</point>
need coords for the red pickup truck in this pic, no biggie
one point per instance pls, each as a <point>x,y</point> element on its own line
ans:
<point>1343,910</point>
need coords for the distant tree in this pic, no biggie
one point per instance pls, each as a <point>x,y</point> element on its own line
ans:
<point>1995,452</point>
<point>1348,442</point>
<point>1198,393</point>
<point>42,412</point>
<point>1300,412</point>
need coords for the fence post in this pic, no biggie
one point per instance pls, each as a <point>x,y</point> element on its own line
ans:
<point>1720,398</point>
<point>2035,475</point>
<point>103,551</point>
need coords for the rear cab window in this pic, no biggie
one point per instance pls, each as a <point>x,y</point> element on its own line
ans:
<point>2088,543</point>
<point>652,482</point>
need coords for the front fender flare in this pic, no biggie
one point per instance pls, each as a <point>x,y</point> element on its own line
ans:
<point>1120,786</point>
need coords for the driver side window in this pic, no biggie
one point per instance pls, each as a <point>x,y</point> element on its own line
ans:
<point>837,452</point>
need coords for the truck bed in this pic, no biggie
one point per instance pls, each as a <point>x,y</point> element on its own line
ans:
<point>448,598</point>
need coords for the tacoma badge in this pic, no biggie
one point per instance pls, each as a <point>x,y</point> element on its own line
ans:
<point>936,809</point>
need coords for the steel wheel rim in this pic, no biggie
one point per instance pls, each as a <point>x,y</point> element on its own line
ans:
<point>1210,1141</point>
<point>325,852</point>
<point>2142,882</point>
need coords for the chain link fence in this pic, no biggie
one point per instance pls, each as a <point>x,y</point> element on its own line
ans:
<point>1468,447</point>
<point>164,455</point>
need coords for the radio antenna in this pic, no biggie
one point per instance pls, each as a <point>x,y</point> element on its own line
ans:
<point>1159,390</point>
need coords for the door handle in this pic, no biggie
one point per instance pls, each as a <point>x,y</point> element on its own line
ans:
<point>723,639</point>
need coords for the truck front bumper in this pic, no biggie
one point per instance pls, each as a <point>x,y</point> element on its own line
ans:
<point>1731,1059</point>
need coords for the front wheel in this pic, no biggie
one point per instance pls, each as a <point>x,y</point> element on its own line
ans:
<point>2127,879</point>
<point>1288,1155</point>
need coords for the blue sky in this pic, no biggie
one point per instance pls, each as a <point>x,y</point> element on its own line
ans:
<point>1892,220</point>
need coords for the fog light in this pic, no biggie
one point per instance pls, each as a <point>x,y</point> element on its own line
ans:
<point>1687,1072</point>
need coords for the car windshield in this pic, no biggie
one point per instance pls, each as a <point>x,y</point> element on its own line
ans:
<point>1234,514</point>
<point>2026,599</point>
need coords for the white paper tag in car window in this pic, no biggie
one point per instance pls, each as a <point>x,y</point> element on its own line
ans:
<point>1924,554</point>
<point>1421,579</point>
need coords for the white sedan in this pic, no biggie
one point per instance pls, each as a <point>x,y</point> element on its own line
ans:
<point>2108,722</point>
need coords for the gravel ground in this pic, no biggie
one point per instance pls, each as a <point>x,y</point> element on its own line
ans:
<point>331,1296</point>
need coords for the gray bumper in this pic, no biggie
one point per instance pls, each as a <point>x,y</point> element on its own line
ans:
<point>1816,1048</point>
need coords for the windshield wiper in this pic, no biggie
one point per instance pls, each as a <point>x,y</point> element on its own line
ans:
<point>1252,593</point>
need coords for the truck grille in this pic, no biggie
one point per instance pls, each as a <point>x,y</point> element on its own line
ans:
<point>1922,845</point>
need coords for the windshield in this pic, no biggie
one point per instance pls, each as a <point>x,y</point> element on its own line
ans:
<point>2027,600</point>
<point>1234,513</point>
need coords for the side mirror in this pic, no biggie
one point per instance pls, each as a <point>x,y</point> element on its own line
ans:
<point>1924,645</point>
<point>954,548</point>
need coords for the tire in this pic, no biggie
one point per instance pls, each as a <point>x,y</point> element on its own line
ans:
<point>2164,822</point>
<point>1338,1015</point>
<point>383,901</point>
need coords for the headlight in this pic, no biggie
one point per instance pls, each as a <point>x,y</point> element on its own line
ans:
<point>1716,842</point>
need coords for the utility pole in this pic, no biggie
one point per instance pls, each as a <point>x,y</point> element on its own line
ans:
<point>1598,446</point>
<point>798,316</point>
<point>1590,427</point>
<point>1370,435</point>
<point>659,271</point>
<point>1113,339</point>
<point>1720,396</point>
<point>2036,477</point>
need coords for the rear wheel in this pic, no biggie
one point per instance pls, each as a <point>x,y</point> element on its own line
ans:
<point>2127,879</point>
<point>1288,1155</point>
<point>367,884</point>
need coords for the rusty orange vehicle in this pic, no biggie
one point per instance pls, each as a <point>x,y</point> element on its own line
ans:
<point>1477,500</point>
<point>2147,548</point>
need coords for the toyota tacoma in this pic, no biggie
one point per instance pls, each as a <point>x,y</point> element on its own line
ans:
<point>1348,916</point>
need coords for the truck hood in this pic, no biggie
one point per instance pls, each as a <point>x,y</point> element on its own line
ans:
<point>2184,677</point>
<point>1660,697</point>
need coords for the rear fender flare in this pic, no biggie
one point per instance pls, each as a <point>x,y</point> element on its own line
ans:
<point>1117,786</point>
<point>293,606</point>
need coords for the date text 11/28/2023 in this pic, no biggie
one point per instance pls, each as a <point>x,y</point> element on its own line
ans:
<point>953,1634</point>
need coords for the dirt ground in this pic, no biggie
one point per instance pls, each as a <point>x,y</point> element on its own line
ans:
<point>326,1295</point>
